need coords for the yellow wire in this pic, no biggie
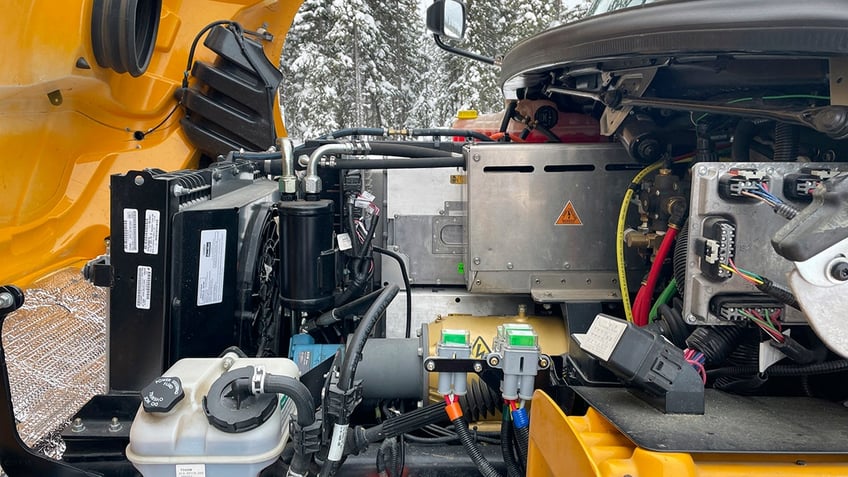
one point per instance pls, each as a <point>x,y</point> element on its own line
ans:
<point>754,279</point>
<point>619,238</point>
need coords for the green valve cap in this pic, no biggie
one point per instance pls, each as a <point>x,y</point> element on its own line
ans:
<point>522,338</point>
<point>456,337</point>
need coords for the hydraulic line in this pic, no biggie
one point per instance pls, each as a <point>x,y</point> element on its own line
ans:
<point>398,163</point>
<point>619,236</point>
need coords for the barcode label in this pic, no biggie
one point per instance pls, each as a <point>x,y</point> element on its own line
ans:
<point>191,470</point>
<point>151,232</point>
<point>130,230</point>
<point>210,275</point>
<point>144,278</point>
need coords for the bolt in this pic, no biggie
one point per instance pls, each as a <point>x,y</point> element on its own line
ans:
<point>588,281</point>
<point>509,265</point>
<point>140,180</point>
<point>217,175</point>
<point>476,260</point>
<point>178,190</point>
<point>115,425</point>
<point>430,366</point>
<point>77,425</point>
<point>537,281</point>
<point>543,363</point>
<point>477,282</point>
<point>228,362</point>
<point>6,300</point>
<point>702,170</point>
<point>566,265</point>
<point>476,157</point>
<point>839,271</point>
<point>478,367</point>
<point>493,361</point>
<point>396,248</point>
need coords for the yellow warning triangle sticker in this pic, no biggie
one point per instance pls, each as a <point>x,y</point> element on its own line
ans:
<point>568,216</point>
<point>480,349</point>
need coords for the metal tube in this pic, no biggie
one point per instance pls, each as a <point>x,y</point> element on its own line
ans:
<point>312,183</point>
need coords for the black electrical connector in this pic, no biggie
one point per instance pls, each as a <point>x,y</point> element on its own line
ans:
<point>717,247</point>
<point>647,362</point>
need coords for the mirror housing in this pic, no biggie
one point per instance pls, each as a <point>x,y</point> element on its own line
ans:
<point>447,18</point>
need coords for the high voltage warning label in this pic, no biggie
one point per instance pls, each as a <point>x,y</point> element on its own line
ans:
<point>568,216</point>
<point>479,349</point>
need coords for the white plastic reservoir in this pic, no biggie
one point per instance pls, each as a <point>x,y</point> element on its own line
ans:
<point>182,443</point>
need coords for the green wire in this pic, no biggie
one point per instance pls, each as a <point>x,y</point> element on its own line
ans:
<point>771,98</point>
<point>663,299</point>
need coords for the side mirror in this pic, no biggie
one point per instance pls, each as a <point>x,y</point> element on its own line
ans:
<point>447,18</point>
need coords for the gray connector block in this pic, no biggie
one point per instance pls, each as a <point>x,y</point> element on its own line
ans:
<point>453,382</point>
<point>517,353</point>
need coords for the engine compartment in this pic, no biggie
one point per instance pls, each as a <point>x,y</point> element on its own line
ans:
<point>651,243</point>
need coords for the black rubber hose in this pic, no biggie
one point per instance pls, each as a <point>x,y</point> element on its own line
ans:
<point>522,436</point>
<point>449,132</point>
<point>411,163</point>
<point>742,136</point>
<point>403,150</point>
<point>786,137</point>
<point>335,315</point>
<point>510,110</point>
<point>357,342</point>
<point>484,466</point>
<point>354,132</point>
<point>408,288</point>
<point>255,156</point>
<point>297,392</point>
<point>512,469</point>
<point>785,370</point>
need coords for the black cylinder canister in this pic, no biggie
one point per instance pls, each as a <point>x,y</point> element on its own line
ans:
<point>307,255</point>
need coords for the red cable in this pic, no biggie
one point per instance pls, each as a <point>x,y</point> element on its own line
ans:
<point>643,298</point>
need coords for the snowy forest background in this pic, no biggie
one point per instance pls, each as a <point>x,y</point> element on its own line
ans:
<point>371,63</point>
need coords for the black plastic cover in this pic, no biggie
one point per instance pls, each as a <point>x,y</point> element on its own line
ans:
<point>162,394</point>
<point>230,406</point>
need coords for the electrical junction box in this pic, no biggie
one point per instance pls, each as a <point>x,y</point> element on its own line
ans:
<point>542,219</point>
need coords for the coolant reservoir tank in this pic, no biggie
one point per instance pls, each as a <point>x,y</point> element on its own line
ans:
<point>172,435</point>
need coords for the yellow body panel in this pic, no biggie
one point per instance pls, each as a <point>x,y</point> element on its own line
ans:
<point>61,149</point>
<point>589,446</point>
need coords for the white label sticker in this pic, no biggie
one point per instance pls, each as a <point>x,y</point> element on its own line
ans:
<point>143,286</point>
<point>151,232</point>
<point>130,230</point>
<point>770,355</point>
<point>337,442</point>
<point>344,242</point>
<point>603,336</point>
<point>210,276</point>
<point>191,470</point>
